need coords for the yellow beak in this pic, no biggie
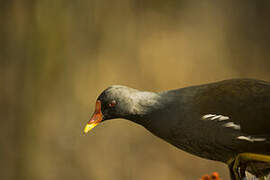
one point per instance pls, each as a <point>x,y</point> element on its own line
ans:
<point>88,127</point>
<point>96,118</point>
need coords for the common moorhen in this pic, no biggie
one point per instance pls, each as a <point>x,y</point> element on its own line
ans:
<point>227,121</point>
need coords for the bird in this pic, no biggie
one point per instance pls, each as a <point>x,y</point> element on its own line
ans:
<point>226,121</point>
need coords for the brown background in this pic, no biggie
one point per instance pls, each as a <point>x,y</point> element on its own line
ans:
<point>57,56</point>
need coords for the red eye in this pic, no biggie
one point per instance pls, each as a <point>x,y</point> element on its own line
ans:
<point>112,104</point>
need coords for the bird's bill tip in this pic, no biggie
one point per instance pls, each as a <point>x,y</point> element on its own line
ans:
<point>96,118</point>
<point>89,127</point>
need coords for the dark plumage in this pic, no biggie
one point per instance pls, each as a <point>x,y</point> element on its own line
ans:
<point>216,121</point>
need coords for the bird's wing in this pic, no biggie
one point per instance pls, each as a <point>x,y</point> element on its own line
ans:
<point>241,104</point>
<point>227,123</point>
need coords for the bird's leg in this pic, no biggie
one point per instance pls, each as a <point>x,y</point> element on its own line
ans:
<point>232,173</point>
<point>246,157</point>
<point>254,157</point>
<point>235,169</point>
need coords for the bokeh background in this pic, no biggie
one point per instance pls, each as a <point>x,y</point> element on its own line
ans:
<point>57,56</point>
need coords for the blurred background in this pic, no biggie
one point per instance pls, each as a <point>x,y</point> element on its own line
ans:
<point>57,56</point>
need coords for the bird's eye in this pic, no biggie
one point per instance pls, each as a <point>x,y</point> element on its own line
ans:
<point>112,104</point>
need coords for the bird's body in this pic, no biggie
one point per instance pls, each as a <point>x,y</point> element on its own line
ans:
<point>216,121</point>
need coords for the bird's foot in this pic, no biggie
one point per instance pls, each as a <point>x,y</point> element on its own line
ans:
<point>244,160</point>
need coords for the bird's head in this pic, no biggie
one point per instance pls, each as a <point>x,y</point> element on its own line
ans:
<point>120,102</point>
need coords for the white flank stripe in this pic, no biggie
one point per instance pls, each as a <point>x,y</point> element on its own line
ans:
<point>222,118</point>
<point>215,117</point>
<point>208,116</point>
<point>251,139</point>
<point>232,125</point>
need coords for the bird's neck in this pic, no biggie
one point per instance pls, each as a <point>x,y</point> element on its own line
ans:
<point>142,104</point>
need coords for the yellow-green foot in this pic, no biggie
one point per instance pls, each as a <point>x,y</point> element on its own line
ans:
<point>257,164</point>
